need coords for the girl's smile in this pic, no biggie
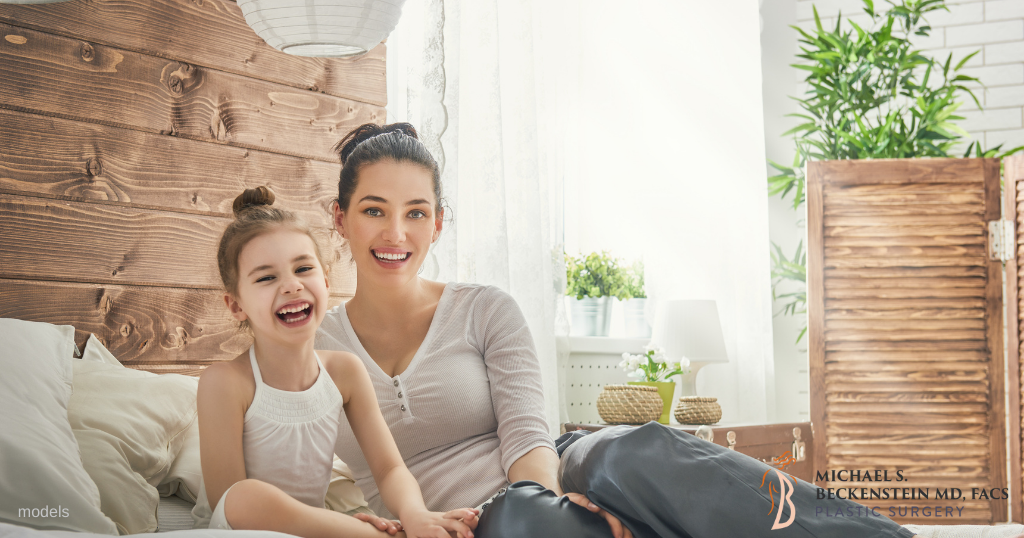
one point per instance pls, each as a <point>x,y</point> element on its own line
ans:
<point>282,288</point>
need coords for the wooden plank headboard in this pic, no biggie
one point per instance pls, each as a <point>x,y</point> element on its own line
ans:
<point>126,130</point>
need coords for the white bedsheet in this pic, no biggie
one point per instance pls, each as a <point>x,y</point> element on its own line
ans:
<point>967,531</point>
<point>14,531</point>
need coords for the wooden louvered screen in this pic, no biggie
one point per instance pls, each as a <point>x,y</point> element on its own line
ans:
<point>1013,209</point>
<point>905,327</point>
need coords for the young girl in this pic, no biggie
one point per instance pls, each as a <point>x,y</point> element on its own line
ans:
<point>268,419</point>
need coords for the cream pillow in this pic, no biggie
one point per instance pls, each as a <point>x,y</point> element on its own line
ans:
<point>131,425</point>
<point>44,484</point>
<point>343,495</point>
<point>186,474</point>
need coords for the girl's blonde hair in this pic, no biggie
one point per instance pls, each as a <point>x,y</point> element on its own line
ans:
<point>254,217</point>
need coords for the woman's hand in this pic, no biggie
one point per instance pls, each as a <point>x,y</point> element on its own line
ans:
<point>456,523</point>
<point>383,524</point>
<point>618,529</point>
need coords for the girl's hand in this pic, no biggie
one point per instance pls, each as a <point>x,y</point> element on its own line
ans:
<point>618,529</point>
<point>389,526</point>
<point>437,525</point>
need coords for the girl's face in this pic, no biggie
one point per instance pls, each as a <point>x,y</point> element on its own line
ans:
<point>282,288</point>
<point>391,220</point>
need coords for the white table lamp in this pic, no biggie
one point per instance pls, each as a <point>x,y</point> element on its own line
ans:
<point>689,329</point>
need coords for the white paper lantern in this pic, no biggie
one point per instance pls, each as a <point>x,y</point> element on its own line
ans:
<point>327,28</point>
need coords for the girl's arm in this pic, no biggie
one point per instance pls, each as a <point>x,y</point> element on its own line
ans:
<point>221,402</point>
<point>398,489</point>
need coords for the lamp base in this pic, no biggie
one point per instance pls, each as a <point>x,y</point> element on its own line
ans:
<point>688,381</point>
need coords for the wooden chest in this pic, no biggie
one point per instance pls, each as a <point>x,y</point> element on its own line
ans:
<point>766,442</point>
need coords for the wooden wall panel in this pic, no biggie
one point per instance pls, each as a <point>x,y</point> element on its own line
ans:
<point>158,329</point>
<point>127,127</point>
<point>905,325</point>
<point>1013,210</point>
<point>69,78</point>
<point>72,160</point>
<point>208,33</point>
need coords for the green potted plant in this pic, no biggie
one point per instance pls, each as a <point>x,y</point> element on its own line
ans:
<point>653,369</point>
<point>592,281</point>
<point>633,308</point>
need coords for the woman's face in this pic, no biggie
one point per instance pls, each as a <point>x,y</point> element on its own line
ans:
<point>391,219</point>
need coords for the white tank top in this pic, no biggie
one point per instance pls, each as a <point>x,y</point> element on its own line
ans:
<point>288,437</point>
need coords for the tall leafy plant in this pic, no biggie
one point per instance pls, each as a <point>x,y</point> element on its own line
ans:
<point>870,95</point>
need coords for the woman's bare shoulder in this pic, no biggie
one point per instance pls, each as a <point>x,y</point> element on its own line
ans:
<point>343,367</point>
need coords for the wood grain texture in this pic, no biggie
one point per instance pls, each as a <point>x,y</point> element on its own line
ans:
<point>1012,211</point>
<point>68,78</point>
<point>210,33</point>
<point>158,329</point>
<point>909,313</point>
<point>902,171</point>
<point>997,405</point>
<point>73,160</point>
<point>816,315</point>
<point>43,239</point>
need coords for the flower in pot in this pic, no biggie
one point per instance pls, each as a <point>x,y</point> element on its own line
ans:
<point>653,369</point>
<point>593,280</point>
<point>633,308</point>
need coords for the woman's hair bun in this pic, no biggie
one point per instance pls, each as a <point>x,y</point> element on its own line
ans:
<point>259,196</point>
<point>367,131</point>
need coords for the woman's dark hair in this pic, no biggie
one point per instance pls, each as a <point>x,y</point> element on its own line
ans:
<point>371,143</point>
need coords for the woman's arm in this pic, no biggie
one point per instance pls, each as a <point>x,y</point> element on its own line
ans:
<point>539,465</point>
<point>221,405</point>
<point>513,370</point>
<point>398,488</point>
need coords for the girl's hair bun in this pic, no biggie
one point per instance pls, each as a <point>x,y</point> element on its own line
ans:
<point>367,131</point>
<point>260,196</point>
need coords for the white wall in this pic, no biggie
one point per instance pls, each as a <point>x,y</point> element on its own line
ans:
<point>671,153</point>
<point>996,27</point>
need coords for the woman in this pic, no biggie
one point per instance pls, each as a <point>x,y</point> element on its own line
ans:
<point>457,377</point>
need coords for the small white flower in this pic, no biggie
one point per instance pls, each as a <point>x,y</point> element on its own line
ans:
<point>649,347</point>
<point>634,362</point>
<point>635,373</point>
<point>658,358</point>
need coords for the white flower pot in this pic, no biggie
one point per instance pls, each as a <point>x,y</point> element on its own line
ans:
<point>636,325</point>
<point>591,316</point>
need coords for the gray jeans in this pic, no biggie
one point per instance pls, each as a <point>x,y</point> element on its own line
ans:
<point>665,483</point>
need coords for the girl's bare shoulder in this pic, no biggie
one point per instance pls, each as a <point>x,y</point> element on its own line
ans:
<point>232,378</point>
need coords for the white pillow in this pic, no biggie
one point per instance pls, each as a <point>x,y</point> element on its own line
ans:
<point>186,474</point>
<point>39,457</point>
<point>130,425</point>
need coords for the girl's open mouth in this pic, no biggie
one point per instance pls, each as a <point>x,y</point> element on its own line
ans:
<point>294,313</point>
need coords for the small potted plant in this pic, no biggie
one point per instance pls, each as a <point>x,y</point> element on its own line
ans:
<point>653,369</point>
<point>633,308</point>
<point>593,280</point>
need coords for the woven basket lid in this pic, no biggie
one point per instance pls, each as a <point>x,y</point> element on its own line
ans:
<point>697,399</point>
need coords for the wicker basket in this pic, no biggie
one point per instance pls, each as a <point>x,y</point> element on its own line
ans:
<point>698,410</point>
<point>629,404</point>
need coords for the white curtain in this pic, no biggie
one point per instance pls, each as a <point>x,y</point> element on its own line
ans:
<point>485,84</point>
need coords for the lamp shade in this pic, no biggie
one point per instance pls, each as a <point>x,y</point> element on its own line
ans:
<point>689,329</point>
<point>327,28</point>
